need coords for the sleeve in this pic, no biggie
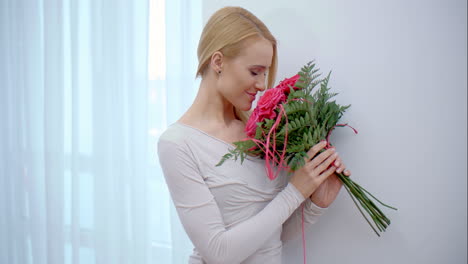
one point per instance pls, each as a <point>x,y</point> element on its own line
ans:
<point>202,219</point>
<point>292,228</point>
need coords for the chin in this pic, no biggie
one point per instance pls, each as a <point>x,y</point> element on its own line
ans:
<point>245,107</point>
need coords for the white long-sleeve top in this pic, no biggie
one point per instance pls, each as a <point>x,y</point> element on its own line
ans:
<point>232,213</point>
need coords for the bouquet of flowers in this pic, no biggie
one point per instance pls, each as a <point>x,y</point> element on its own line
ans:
<point>288,121</point>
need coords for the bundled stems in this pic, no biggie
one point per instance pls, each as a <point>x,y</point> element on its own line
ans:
<point>360,194</point>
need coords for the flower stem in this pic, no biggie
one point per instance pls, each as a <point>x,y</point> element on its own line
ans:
<point>388,206</point>
<point>359,208</point>
<point>358,193</point>
<point>378,216</point>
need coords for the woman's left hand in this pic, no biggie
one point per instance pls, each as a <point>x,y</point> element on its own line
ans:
<point>327,192</point>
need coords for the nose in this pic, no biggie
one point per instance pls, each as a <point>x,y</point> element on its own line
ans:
<point>260,85</point>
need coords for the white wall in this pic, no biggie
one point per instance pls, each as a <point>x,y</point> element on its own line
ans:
<point>402,65</point>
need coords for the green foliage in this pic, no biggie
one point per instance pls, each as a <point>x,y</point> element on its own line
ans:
<point>309,117</point>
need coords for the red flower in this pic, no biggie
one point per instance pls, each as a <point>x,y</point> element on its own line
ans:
<point>269,101</point>
<point>284,85</point>
<point>251,125</point>
<point>265,109</point>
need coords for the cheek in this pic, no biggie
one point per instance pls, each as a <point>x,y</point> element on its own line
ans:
<point>246,81</point>
<point>239,82</point>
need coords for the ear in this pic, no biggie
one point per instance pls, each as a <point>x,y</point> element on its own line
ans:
<point>216,63</point>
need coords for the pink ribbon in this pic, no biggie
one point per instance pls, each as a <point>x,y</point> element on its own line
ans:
<point>271,153</point>
<point>337,125</point>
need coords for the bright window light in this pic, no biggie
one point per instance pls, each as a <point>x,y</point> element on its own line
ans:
<point>157,40</point>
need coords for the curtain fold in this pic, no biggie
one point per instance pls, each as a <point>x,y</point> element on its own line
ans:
<point>53,128</point>
<point>79,121</point>
<point>74,132</point>
<point>185,26</point>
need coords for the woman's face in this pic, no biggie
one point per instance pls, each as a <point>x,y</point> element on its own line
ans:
<point>245,75</point>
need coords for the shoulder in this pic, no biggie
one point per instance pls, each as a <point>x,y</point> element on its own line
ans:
<point>173,133</point>
<point>176,136</point>
<point>183,138</point>
<point>174,146</point>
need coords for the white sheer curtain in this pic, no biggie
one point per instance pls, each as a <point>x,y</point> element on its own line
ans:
<point>172,87</point>
<point>79,118</point>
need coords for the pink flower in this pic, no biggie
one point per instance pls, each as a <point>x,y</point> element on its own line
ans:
<point>288,81</point>
<point>251,125</point>
<point>265,109</point>
<point>269,101</point>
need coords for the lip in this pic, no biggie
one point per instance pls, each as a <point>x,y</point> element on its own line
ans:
<point>252,95</point>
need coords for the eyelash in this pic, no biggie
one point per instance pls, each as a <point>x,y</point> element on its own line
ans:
<point>255,74</point>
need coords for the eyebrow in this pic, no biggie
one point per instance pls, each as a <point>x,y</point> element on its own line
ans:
<point>259,66</point>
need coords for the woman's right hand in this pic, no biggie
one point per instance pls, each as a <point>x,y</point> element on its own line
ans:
<point>308,178</point>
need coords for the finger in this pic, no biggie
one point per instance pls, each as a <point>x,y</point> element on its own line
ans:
<point>341,168</point>
<point>324,175</point>
<point>337,162</point>
<point>327,162</point>
<point>315,149</point>
<point>319,159</point>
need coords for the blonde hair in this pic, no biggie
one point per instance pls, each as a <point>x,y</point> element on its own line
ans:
<point>226,31</point>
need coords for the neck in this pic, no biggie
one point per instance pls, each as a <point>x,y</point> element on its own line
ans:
<point>209,108</point>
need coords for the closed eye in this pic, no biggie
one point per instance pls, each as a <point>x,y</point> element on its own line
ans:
<point>253,73</point>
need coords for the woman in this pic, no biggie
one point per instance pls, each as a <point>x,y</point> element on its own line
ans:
<point>234,213</point>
